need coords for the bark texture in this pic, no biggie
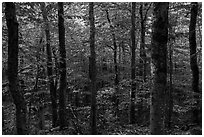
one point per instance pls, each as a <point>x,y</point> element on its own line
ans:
<point>19,101</point>
<point>92,69</point>
<point>53,95</point>
<point>193,62</point>
<point>133,90</point>
<point>159,67</point>
<point>142,43</point>
<point>169,92</point>
<point>63,81</point>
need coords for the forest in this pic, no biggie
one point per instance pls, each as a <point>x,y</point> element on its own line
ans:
<point>101,68</point>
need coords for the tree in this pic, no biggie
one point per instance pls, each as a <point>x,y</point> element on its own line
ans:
<point>50,67</point>
<point>193,59</point>
<point>169,92</point>
<point>92,69</point>
<point>63,83</point>
<point>159,67</point>
<point>114,49</point>
<point>39,61</point>
<point>116,80</point>
<point>142,43</point>
<point>19,101</point>
<point>133,87</point>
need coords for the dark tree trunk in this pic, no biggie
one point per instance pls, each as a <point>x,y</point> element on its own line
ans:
<point>63,83</point>
<point>169,96</point>
<point>92,69</point>
<point>159,67</point>
<point>170,102</point>
<point>115,98</point>
<point>133,91</point>
<point>19,101</point>
<point>120,58</point>
<point>50,67</point>
<point>114,49</point>
<point>142,44</point>
<point>3,118</point>
<point>193,60</point>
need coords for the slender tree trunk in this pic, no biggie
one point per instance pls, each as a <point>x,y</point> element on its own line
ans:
<point>132,102</point>
<point>92,69</point>
<point>193,60</point>
<point>19,101</point>
<point>3,118</point>
<point>115,61</point>
<point>169,96</point>
<point>159,67</point>
<point>170,103</point>
<point>114,49</point>
<point>116,100</point>
<point>56,69</point>
<point>50,67</point>
<point>142,44</point>
<point>120,59</point>
<point>123,56</point>
<point>63,83</point>
<point>37,77</point>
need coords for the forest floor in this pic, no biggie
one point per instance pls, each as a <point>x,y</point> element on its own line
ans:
<point>108,122</point>
<point>109,128</point>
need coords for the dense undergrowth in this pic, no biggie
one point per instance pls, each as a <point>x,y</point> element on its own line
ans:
<point>112,117</point>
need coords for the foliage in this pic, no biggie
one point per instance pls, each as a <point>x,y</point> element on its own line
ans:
<point>32,67</point>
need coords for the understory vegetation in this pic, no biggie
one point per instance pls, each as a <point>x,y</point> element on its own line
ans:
<point>105,68</point>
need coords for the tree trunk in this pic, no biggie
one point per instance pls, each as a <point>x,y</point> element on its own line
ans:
<point>114,48</point>
<point>132,102</point>
<point>193,60</point>
<point>92,69</point>
<point>120,58</point>
<point>159,67</point>
<point>124,57</point>
<point>63,83</point>
<point>3,118</point>
<point>50,67</point>
<point>41,117</point>
<point>116,100</point>
<point>56,69</point>
<point>19,101</point>
<point>169,92</point>
<point>115,61</point>
<point>142,44</point>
